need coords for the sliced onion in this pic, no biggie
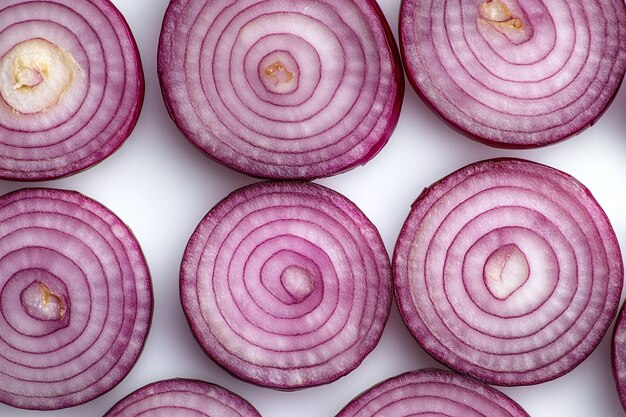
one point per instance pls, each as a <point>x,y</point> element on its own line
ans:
<point>71,86</point>
<point>432,392</point>
<point>75,299</point>
<point>508,271</point>
<point>515,73</point>
<point>282,89</point>
<point>182,398</point>
<point>286,285</point>
<point>618,355</point>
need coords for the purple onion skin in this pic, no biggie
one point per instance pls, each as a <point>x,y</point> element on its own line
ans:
<point>477,329</point>
<point>288,343</point>
<point>196,397</point>
<point>618,355</point>
<point>57,215</point>
<point>432,391</point>
<point>514,139</point>
<point>258,166</point>
<point>103,143</point>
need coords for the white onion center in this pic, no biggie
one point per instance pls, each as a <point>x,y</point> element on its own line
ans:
<point>35,74</point>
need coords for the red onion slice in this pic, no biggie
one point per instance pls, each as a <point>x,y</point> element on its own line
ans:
<point>182,398</point>
<point>286,285</point>
<point>75,299</point>
<point>508,271</point>
<point>278,89</point>
<point>515,73</point>
<point>618,355</point>
<point>432,392</point>
<point>71,86</point>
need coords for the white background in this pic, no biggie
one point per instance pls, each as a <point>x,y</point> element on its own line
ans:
<point>161,186</point>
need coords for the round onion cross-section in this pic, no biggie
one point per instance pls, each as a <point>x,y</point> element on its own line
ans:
<point>282,89</point>
<point>508,271</point>
<point>432,392</point>
<point>75,299</point>
<point>618,355</point>
<point>71,86</point>
<point>515,73</point>
<point>286,285</point>
<point>182,398</point>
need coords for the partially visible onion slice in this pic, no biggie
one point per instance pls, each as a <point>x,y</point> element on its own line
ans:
<point>508,271</point>
<point>75,299</point>
<point>182,398</point>
<point>71,86</point>
<point>282,89</point>
<point>618,355</point>
<point>515,73</point>
<point>286,285</point>
<point>432,392</point>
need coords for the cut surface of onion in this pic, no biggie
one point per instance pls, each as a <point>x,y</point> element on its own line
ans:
<point>182,398</point>
<point>71,86</point>
<point>75,299</point>
<point>284,90</point>
<point>286,285</point>
<point>508,271</point>
<point>432,392</point>
<point>515,73</point>
<point>618,355</point>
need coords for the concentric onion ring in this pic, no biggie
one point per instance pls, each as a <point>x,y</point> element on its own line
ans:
<point>515,73</point>
<point>182,398</point>
<point>432,392</point>
<point>75,299</point>
<point>71,86</point>
<point>286,285</point>
<point>508,271</point>
<point>278,89</point>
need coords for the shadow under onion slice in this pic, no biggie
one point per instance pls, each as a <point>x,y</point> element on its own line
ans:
<point>508,271</point>
<point>286,285</point>
<point>515,73</point>
<point>432,392</point>
<point>282,89</point>
<point>182,398</point>
<point>71,86</point>
<point>75,299</point>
